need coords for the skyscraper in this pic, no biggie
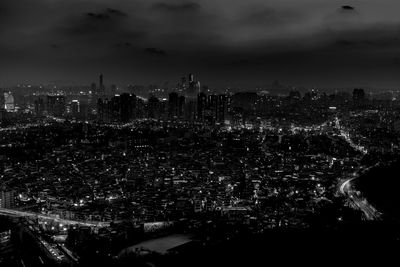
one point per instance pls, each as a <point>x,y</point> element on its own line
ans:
<point>7,199</point>
<point>120,108</point>
<point>101,89</point>
<point>211,109</point>
<point>93,88</point>
<point>2,100</point>
<point>113,89</point>
<point>9,101</point>
<point>182,85</point>
<point>175,106</point>
<point>192,90</point>
<point>56,105</point>
<point>75,107</point>
<point>153,108</point>
<point>127,107</point>
<point>221,108</point>
<point>201,106</point>
<point>359,98</point>
<point>39,106</point>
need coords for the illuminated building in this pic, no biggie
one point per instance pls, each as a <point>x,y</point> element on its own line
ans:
<point>7,199</point>
<point>75,108</point>
<point>9,101</point>
<point>39,107</point>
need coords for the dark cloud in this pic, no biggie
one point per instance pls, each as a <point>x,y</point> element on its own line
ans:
<point>183,7</point>
<point>372,43</point>
<point>222,41</point>
<point>347,8</point>
<point>107,14</point>
<point>95,23</point>
<point>244,63</point>
<point>100,16</point>
<point>375,38</point>
<point>271,17</point>
<point>124,44</point>
<point>55,46</point>
<point>155,51</point>
<point>116,12</point>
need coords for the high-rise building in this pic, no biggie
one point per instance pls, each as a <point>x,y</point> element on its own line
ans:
<point>128,107</point>
<point>191,110</point>
<point>154,108</point>
<point>2,100</point>
<point>9,104</point>
<point>211,109</point>
<point>101,89</point>
<point>75,108</point>
<point>113,89</point>
<point>104,110</point>
<point>56,105</point>
<point>193,89</point>
<point>211,115</point>
<point>358,97</point>
<point>201,106</point>
<point>175,106</point>
<point>7,199</point>
<point>198,87</point>
<point>93,88</point>
<point>120,108</point>
<point>222,108</point>
<point>39,106</point>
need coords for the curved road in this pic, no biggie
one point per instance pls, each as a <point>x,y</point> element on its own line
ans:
<point>347,189</point>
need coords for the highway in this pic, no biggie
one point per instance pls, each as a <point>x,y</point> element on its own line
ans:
<point>347,190</point>
<point>17,213</point>
<point>346,187</point>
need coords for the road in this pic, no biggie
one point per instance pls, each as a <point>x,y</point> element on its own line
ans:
<point>10,212</point>
<point>346,187</point>
<point>346,136</point>
<point>362,204</point>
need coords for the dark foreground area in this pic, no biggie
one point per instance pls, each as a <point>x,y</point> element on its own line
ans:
<point>351,244</point>
<point>348,243</point>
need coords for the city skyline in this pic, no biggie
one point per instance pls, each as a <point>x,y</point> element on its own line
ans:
<point>228,44</point>
<point>275,87</point>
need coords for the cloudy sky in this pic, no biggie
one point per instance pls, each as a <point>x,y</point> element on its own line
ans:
<point>224,42</point>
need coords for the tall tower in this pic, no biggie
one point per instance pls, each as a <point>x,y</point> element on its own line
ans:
<point>182,85</point>
<point>93,88</point>
<point>191,91</point>
<point>198,87</point>
<point>101,85</point>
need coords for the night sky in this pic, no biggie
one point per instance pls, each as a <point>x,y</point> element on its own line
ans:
<point>236,43</point>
